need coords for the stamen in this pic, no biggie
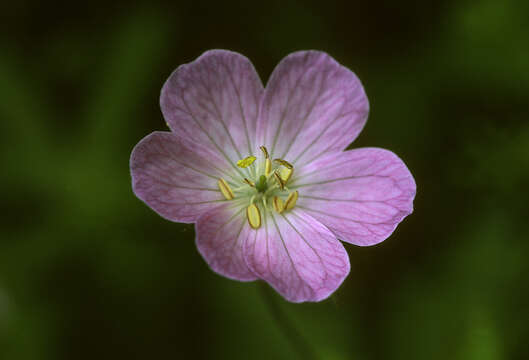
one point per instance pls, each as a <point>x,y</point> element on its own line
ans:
<point>254,216</point>
<point>249,182</point>
<point>279,180</point>
<point>278,204</point>
<point>286,171</point>
<point>268,163</point>
<point>291,200</point>
<point>247,161</point>
<point>284,163</point>
<point>265,151</point>
<point>225,189</point>
<point>268,167</point>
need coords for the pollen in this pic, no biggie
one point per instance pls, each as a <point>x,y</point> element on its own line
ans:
<point>291,200</point>
<point>247,161</point>
<point>278,204</point>
<point>254,216</point>
<point>225,189</point>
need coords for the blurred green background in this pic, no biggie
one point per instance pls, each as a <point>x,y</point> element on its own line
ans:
<point>87,271</point>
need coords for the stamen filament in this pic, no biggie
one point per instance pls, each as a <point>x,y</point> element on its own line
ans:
<point>249,182</point>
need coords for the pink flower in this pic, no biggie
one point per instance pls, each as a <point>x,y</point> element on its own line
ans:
<point>262,171</point>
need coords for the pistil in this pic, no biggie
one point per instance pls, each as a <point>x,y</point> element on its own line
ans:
<point>261,185</point>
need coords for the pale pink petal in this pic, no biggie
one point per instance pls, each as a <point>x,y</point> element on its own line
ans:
<point>361,195</point>
<point>214,101</point>
<point>312,106</point>
<point>176,178</point>
<point>297,256</point>
<point>221,233</point>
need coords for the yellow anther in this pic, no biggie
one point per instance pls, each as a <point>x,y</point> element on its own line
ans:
<point>265,152</point>
<point>247,161</point>
<point>254,216</point>
<point>284,163</point>
<point>268,162</point>
<point>278,204</point>
<point>225,189</point>
<point>285,173</point>
<point>268,167</point>
<point>249,182</point>
<point>291,200</point>
<point>279,180</point>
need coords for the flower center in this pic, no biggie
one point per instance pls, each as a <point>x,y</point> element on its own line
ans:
<point>266,188</point>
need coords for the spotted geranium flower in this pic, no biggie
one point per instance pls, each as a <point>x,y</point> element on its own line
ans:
<point>262,171</point>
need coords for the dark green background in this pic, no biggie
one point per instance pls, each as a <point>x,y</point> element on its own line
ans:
<point>87,271</point>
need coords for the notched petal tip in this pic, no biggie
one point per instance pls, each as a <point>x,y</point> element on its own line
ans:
<point>316,103</point>
<point>222,80</point>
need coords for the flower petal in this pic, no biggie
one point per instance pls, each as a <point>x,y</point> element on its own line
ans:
<point>297,256</point>
<point>176,178</point>
<point>312,105</point>
<point>221,233</point>
<point>214,101</point>
<point>361,195</point>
